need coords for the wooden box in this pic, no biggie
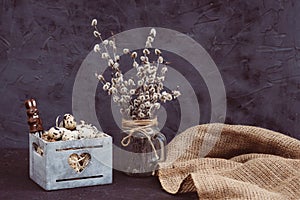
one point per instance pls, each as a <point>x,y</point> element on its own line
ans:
<point>50,165</point>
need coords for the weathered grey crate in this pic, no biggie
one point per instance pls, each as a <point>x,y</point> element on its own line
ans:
<point>52,171</point>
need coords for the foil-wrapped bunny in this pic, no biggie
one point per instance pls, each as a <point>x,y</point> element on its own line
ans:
<point>34,120</point>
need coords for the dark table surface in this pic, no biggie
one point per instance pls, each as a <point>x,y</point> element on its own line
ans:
<point>16,184</point>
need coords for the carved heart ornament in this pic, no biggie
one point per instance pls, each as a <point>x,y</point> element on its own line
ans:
<point>79,162</point>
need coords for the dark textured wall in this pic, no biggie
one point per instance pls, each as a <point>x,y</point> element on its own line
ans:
<point>255,44</point>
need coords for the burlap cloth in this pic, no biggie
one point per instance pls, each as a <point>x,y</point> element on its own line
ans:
<point>241,162</point>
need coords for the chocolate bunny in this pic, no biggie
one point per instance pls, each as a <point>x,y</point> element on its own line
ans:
<point>34,120</point>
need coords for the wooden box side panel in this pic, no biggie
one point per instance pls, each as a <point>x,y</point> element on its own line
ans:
<point>37,165</point>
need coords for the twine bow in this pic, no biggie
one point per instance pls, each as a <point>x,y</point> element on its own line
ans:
<point>139,126</point>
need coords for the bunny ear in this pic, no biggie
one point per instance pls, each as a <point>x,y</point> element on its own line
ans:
<point>28,104</point>
<point>33,102</point>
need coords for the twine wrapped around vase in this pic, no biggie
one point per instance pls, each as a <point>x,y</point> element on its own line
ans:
<point>133,127</point>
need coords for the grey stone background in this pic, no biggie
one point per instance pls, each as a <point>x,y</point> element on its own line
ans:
<point>255,44</point>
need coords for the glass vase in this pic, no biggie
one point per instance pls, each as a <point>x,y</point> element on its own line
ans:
<point>146,144</point>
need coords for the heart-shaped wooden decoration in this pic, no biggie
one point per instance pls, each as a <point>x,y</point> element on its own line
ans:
<point>79,162</point>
